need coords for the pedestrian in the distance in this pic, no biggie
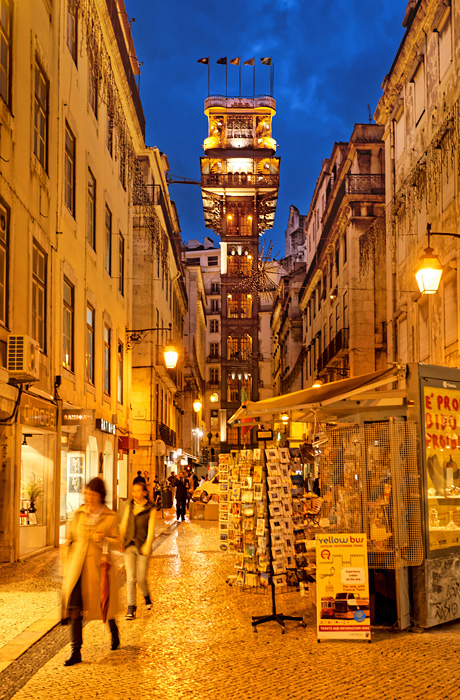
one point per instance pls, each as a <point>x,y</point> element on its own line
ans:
<point>93,533</point>
<point>195,480</point>
<point>137,531</point>
<point>139,479</point>
<point>181,497</point>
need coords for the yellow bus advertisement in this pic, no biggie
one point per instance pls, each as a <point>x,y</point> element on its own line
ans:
<point>342,587</point>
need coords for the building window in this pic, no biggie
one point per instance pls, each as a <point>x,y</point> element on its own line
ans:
<point>344,248</point>
<point>121,264</point>
<point>69,170</point>
<point>419,91</point>
<point>399,135</point>
<point>337,259</point>
<point>122,162</point>
<point>108,240</point>
<point>93,85</point>
<point>215,307</point>
<point>214,351</point>
<point>71,29</point>
<point>90,321</point>
<point>214,326</point>
<point>41,114</point>
<point>4,243</point>
<point>5,49</point>
<point>215,288</point>
<point>445,44</point>
<point>345,309</point>
<point>109,141</point>
<point>120,372</point>
<point>68,316</point>
<point>39,295</point>
<point>91,210</point>
<point>214,376</point>
<point>107,353</point>
<point>213,261</point>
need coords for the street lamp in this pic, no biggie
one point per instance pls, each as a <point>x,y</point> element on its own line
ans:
<point>428,274</point>
<point>317,383</point>
<point>197,405</point>
<point>170,353</point>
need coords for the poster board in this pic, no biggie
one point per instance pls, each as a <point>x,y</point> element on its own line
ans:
<point>342,586</point>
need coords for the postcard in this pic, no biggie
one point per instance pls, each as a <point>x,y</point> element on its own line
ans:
<point>275,495</point>
<point>279,566</point>
<point>258,492</point>
<point>272,468</point>
<point>277,525</point>
<point>279,580</point>
<point>257,473</point>
<point>264,580</point>
<point>260,529</point>
<point>246,482</point>
<point>247,496</point>
<point>284,471</point>
<point>276,509</point>
<point>262,545</point>
<point>273,481</point>
<point>257,454</point>
<point>284,455</point>
<point>271,454</point>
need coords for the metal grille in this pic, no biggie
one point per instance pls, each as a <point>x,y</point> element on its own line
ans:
<point>370,483</point>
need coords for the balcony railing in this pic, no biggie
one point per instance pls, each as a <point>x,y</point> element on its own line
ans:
<point>213,358</point>
<point>365,184</point>
<point>239,180</point>
<point>337,344</point>
<point>112,9</point>
<point>165,433</point>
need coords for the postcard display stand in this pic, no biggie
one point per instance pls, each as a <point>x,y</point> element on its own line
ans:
<point>255,523</point>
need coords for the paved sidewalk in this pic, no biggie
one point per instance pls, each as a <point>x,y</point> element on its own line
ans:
<point>30,597</point>
<point>197,644</point>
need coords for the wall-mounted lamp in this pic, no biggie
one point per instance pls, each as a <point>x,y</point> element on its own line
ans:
<point>429,272</point>
<point>285,417</point>
<point>197,405</point>
<point>317,383</point>
<point>170,353</point>
<point>214,397</point>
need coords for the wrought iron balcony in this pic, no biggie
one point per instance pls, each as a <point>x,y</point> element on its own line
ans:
<point>365,184</point>
<point>337,345</point>
<point>165,433</point>
<point>239,180</point>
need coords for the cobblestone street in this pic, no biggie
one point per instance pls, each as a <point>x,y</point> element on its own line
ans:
<point>197,643</point>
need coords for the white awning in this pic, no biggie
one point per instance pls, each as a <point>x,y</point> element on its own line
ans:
<point>309,399</point>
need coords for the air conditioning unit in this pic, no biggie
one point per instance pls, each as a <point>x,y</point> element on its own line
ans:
<point>23,362</point>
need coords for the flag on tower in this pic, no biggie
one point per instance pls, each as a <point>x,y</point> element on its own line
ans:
<point>250,62</point>
<point>266,61</point>
<point>235,61</point>
<point>204,60</point>
<point>222,61</point>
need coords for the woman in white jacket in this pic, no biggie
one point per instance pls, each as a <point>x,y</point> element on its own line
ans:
<point>137,532</point>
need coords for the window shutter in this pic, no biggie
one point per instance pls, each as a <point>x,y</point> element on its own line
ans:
<point>450,311</point>
<point>402,354</point>
<point>445,44</point>
<point>424,343</point>
<point>419,91</point>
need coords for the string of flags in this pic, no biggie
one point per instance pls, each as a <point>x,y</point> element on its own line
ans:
<point>266,61</point>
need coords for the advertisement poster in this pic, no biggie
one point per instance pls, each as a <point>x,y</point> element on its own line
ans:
<point>442,446</point>
<point>342,587</point>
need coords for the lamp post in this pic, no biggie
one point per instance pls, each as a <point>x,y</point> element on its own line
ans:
<point>170,352</point>
<point>429,272</point>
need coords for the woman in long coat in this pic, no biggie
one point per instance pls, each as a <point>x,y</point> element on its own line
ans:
<point>93,532</point>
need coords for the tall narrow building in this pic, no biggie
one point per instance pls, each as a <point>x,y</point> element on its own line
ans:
<point>239,180</point>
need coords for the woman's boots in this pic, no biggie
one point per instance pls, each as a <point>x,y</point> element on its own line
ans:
<point>76,640</point>
<point>115,636</point>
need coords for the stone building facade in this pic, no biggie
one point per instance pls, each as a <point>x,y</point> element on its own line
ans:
<point>420,113</point>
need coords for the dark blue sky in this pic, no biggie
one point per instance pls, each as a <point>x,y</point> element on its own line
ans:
<point>330,58</point>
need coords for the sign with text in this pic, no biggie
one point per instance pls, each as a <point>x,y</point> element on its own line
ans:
<point>342,586</point>
<point>38,413</point>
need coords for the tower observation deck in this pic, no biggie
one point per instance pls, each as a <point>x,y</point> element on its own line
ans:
<point>239,184</point>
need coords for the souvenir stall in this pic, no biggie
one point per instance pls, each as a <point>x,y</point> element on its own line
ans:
<point>386,465</point>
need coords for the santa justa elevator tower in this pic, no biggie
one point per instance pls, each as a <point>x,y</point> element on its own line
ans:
<point>239,183</point>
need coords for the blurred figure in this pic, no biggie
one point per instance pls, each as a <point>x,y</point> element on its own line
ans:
<point>181,497</point>
<point>93,532</point>
<point>137,530</point>
<point>139,479</point>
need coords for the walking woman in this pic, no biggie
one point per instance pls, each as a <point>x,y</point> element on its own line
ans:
<point>93,532</point>
<point>137,531</point>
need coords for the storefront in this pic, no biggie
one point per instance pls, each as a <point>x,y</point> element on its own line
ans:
<point>37,437</point>
<point>387,464</point>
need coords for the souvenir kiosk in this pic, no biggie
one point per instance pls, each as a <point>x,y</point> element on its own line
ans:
<point>388,467</point>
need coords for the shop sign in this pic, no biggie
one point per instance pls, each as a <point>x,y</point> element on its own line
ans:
<point>342,586</point>
<point>265,434</point>
<point>37,413</point>
<point>78,416</point>
<point>441,427</point>
<point>105,426</point>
